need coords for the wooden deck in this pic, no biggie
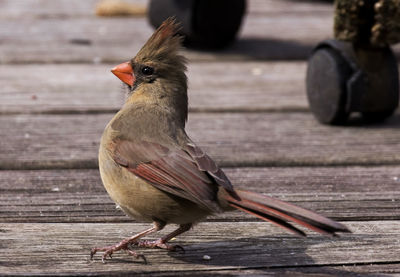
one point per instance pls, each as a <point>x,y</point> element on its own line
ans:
<point>248,111</point>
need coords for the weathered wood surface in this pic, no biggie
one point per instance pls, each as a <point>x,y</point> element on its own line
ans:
<point>344,193</point>
<point>64,248</point>
<point>51,36</point>
<point>66,8</point>
<point>214,86</point>
<point>52,114</point>
<point>233,139</point>
<point>91,39</point>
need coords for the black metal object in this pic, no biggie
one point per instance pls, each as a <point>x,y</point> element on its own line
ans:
<point>342,79</point>
<point>205,23</point>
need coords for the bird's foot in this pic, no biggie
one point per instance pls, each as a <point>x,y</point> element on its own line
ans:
<point>109,250</point>
<point>134,240</point>
<point>159,243</point>
<point>124,245</point>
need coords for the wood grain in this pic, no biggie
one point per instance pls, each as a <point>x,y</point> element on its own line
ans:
<point>67,8</point>
<point>52,37</point>
<point>107,40</point>
<point>344,193</point>
<point>64,248</point>
<point>383,269</point>
<point>213,87</point>
<point>232,139</point>
<point>70,32</point>
<point>68,88</point>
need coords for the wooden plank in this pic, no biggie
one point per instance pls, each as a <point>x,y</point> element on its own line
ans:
<point>278,34</point>
<point>344,193</point>
<point>232,139</point>
<point>106,40</point>
<point>51,9</point>
<point>391,269</point>
<point>214,86</point>
<point>285,7</point>
<point>72,8</point>
<point>48,40</point>
<point>64,248</point>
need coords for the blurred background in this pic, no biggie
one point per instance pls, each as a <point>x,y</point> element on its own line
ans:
<point>99,34</point>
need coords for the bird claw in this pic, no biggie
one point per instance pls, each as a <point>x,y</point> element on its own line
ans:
<point>136,255</point>
<point>109,253</point>
<point>92,252</point>
<point>111,249</point>
<point>159,244</point>
<point>180,248</point>
<point>124,245</point>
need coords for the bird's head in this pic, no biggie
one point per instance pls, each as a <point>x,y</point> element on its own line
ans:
<point>156,75</point>
<point>157,61</point>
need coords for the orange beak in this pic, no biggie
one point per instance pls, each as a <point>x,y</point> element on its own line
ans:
<point>124,72</point>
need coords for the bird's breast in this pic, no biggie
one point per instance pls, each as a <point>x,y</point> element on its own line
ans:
<point>141,200</point>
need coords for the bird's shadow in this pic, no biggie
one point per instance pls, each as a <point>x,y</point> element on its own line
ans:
<point>262,49</point>
<point>253,48</point>
<point>283,255</point>
<point>357,121</point>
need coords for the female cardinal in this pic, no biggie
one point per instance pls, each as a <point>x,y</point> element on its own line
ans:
<point>154,171</point>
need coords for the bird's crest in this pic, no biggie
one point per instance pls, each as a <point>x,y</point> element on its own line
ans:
<point>163,45</point>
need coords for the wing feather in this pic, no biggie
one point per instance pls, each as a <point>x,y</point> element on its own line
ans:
<point>172,170</point>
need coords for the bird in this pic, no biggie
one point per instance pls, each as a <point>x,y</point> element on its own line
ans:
<point>155,173</point>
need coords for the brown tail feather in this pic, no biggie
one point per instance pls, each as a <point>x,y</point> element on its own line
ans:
<point>279,212</point>
<point>275,220</point>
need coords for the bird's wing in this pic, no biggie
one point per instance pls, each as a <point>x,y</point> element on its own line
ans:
<point>206,164</point>
<point>188,173</point>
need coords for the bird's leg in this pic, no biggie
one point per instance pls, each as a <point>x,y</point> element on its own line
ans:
<point>123,245</point>
<point>162,242</point>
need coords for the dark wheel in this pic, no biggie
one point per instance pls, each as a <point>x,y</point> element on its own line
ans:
<point>343,78</point>
<point>380,98</point>
<point>376,117</point>
<point>327,74</point>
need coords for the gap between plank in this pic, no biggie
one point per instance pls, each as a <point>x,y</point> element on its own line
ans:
<point>192,110</point>
<point>92,164</point>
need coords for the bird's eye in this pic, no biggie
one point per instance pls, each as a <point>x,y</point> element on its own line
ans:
<point>147,70</point>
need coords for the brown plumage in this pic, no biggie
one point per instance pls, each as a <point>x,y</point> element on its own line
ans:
<point>154,171</point>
